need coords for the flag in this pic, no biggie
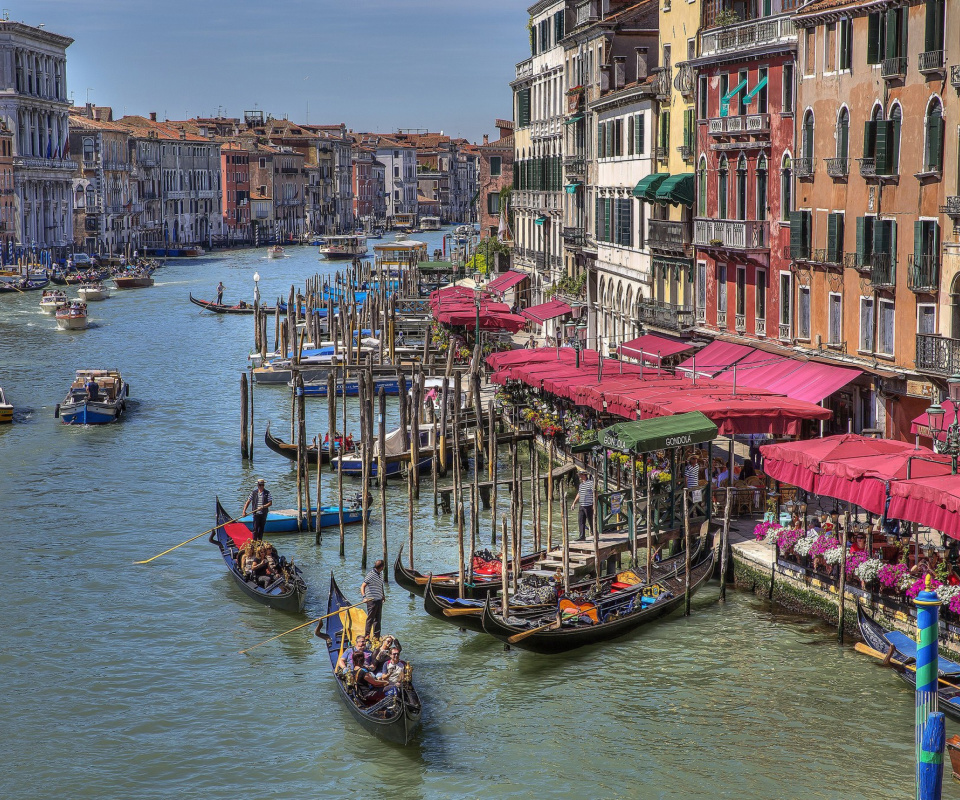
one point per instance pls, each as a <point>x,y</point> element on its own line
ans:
<point>503,232</point>
<point>66,145</point>
<point>49,148</point>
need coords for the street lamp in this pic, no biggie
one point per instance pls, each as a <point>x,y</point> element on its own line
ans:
<point>951,442</point>
<point>256,287</point>
<point>574,334</point>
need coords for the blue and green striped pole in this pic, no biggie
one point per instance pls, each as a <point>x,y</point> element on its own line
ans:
<point>928,612</point>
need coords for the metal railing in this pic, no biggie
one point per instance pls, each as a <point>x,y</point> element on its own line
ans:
<point>799,253</point>
<point>939,354</point>
<point>893,68</point>
<point>868,167</point>
<point>665,315</point>
<point>923,273</point>
<point>573,236</point>
<point>575,165</point>
<point>740,323</point>
<point>838,167</point>
<point>686,152</point>
<point>684,81</point>
<point>747,34</point>
<point>883,271</point>
<point>661,154</point>
<point>731,234</point>
<point>931,61</point>
<point>669,235</point>
<point>955,76</point>
<point>804,167</point>
<point>952,208</point>
<point>784,332</point>
<point>826,255</point>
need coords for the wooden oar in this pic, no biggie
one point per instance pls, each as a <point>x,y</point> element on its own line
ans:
<point>436,579</point>
<point>308,622</point>
<point>517,637</point>
<point>462,612</point>
<point>192,538</point>
<point>860,647</point>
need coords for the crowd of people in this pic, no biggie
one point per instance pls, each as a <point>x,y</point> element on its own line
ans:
<point>261,564</point>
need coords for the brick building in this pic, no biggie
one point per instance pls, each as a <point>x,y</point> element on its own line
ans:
<point>495,175</point>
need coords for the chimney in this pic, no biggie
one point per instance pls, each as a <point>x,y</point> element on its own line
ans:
<point>486,139</point>
<point>153,116</point>
<point>642,70</point>
<point>619,72</point>
<point>88,111</point>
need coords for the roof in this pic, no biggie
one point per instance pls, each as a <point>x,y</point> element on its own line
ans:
<point>504,143</point>
<point>88,124</point>
<point>821,6</point>
<point>141,126</point>
<point>661,433</point>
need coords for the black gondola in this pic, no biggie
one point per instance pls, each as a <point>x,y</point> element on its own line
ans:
<point>288,450</point>
<point>393,717</point>
<point>621,614</point>
<point>416,582</point>
<point>219,308</point>
<point>903,658</point>
<point>282,596</point>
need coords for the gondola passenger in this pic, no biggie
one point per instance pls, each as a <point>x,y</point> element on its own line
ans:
<point>359,646</point>
<point>382,655</point>
<point>392,671</point>
<point>365,682</point>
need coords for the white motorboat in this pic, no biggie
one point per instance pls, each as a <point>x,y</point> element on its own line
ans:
<point>343,247</point>
<point>53,300</point>
<point>72,317</point>
<point>276,252</point>
<point>430,223</point>
<point>93,291</point>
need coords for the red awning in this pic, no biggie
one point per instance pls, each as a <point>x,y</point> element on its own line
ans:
<point>813,381</point>
<point>506,281</point>
<point>652,349</point>
<point>714,358</point>
<point>921,425</point>
<point>546,311</point>
<point>928,501</point>
<point>760,370</point>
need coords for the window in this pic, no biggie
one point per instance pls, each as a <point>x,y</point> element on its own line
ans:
<point>788,89</point>
<point>722,288</point>
<point>702,188</point>
<point>263,163</point>
<point>702,97</point>
<point>830,47</point>
<point>689,133</point>
<point>786,187</point>
<point>618,137</point>
<point>762,103</point>
<point>886,328</point>
<point>558,26</point>
<point>835,318</point>
<point>496,166</point>
<point>803,312</point>
<point>761,294</point>
<point>630,136</point>
<point>523,108</point>
<point>834,238</point>
<point>623,234</point>
<point>664,146</point>
<point>809,51</point>
<point>761,182</point>
<point>926,255</point>
<point>933,31</point>
<point>601,140</point>
<point>874,37</point>
<point>801,223</point>
<point>701,296</point>
<point>843,133</point>
<point>933,144</point>
<point>741,299</point>
<point>786,295</point>
<point>845,35</point>
<point>806,149</point>
<point>742,187</point>
<point>866,325</point>
<point>493,203</point>
<point>722,188</point>
<point>926,318</point>
<point>610,129</point>
<point>639,144</point>
<point>396,171</point>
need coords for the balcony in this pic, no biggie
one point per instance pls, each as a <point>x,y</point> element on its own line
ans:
<point>32,162</point>
<point>937,354</point>
<point>923,274</point>
<point>799,253</point>
<point>661,154</point>
<point>804,167</point>
<point>883,271</point>
<point>668,235</point>
<point>752,124</point>
<point>662,85</point>
<point>784,332</point>
<point>685,151</point>
<point>722,320</point>
<point>952,208</point>
<point>760,327</point>
<point>955,76</point>
<point>838,167</point>
<point>684,81</point>
<point>289,170</point>
<point>731,234</point>
<point>746,35</point>
<point>525,69</point>
<point>540,260</point>
<point>573,237</point>
<point>868,167</point>
<point>588,12</point>
<point>740,323</point>
<point>574,165</point>
<point>893,68</point>
<point>667,316</point>
<point>931,61</point>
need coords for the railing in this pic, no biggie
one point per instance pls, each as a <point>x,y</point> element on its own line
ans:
<point>573,236</point>
<point>799,253</point>
<point>868,167</point>
<point>931,61</point>
<point>804,167</point>
<point>685,151</point>
<point>289,170</point>
<point>669,235</point>
<point>952,208</point>
<point>838,167</point>
<point>525,69</point>
<point>731,234</point>
<point>32,162</point>
<point>740,323</point>
<point>747,34</point>
<point>148,163</point>
<point>700,315</point>
<point>784,332</point>
<point>752,123</point>
<point>116,166</point>
<point>661,154</point>
<point>540,260</point>
<point>893,68</point>
<point>883,271</point>
<point>575,165</point>
<point>665,315</point>
<point>923,273</point>
<point>938,354</point>
<point>684,82</point>
<point>722,320</point>
<point>662,84</point>
<point>955,76</point>
<point>587,12</point>
<point>858,261</point>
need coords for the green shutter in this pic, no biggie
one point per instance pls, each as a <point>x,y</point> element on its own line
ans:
<point>558,26</point>
<point>873,39</point>
<point>917,242</point>
<point>882,147</point>
<point>608,219</point>
<point>834,237</point>
<point>893,146</point>
<point>609,144</point>
<point>892,28</point>
<point>934,142</point>
<point>869,139</point>
<point>861,241</point>
<point>639,133</point>
<point>929,30</point>
<point>881,237</point>
<point>597,223</point>
<point>796,235</point>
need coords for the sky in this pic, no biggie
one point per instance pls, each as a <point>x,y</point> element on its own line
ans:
<point>376,65</point>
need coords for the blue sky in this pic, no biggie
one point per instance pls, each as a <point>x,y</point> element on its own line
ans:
<point>373,64</point>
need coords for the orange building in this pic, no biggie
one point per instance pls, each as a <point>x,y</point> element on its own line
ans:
<point>235,168</point>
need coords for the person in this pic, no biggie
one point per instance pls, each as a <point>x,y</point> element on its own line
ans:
<point>261,501</point>
<point>372,592</point>
<point>364,681</point>
<point>859,543</point>
<point>691,473</point>
<point>723,474</point>
<point>382,656</point>
<point>756,439</point>
<point>747,470</point>
<point>585,497</point>
<point>399,342</point>
<point>246,559</point>
<point>220,293</point>
<point>93,389</point>
<point>392,670</point>
<point>359,646</point>
<point>531,343</point>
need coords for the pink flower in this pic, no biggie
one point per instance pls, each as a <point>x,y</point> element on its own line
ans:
<point>854,560</point>
<point>823,543</point>
<point>890,575</point>
<point>920,584</point>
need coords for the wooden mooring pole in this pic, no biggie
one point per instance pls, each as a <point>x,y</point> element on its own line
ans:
<point>244,416</point>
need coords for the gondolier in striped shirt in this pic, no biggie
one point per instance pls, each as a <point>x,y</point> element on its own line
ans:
<point>261,501</point>
<point>585,496</point>
<point>372,591</point>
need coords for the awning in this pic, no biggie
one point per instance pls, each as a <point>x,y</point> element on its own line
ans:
<point>545,311</point>
<point>540,220</point>
<point>651,348</point>
<point>573,120</point>
<point>714,358</point>
<point>648,435</point>
<point>572,187</point>
<point>813,381</point>
<point>754,91</point>
<point>436,266</point>
<point>677,189</point>
<point>928,501</point>
<point>506,281</point>
<point>921,425</point>
<point>646,189</point>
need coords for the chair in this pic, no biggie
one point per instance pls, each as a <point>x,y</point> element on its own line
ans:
<point>743,498</point>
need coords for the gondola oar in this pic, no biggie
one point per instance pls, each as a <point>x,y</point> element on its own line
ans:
<point>462,612</point>
<point>308,622</point>
<point>192,538</point>
<point>860,647</point>
<point>517,637</point>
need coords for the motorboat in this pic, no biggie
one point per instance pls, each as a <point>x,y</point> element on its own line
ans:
<point>53,300</point>
<point>72,317</point>
<point>335,247</point>
<point>430,223</point>
<point>6,409</point>
<point>433,396</point>
<point>275,252</point>
<point>93,291</point>
<point>137,278</point>
<point>106,404</point>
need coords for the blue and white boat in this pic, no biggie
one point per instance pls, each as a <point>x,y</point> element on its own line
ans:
<point>397,455</point>
<point>106,405</point>
<point>391,386</point>
<point>285,521</point>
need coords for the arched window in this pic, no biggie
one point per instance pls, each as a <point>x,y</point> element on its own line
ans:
<point>722,188</point>
<point>893,138</point>
<point>806,148</point>
<point>91,198</point>
<point>933,134</point>
<point>761,187</point>
<point>702,188</point>
<point>742,187</point>
<point>88,149</point>
<point>843,133</point>
<point>786,187</point>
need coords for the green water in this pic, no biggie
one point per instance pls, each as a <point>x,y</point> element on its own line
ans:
<point>124,681</point>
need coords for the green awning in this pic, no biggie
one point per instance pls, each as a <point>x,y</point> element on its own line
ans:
<point>572,187</point>
<point>540,220</point>
<point>573,120</point>
<point>647,188</point>
<point>754,91</point>
<point>436,266</point>
<point>661,433</point>
<point>677,189</point>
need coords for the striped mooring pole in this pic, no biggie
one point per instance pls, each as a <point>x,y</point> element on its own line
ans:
<point>929,752</point>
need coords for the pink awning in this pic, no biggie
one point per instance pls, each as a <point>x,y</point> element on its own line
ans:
<point>546,311</point>
<point>759,370</point>
<point>813,381</point>
<point>921,425</point>
<point>928,501</point>
<point>714,358</point>
<point>652,349</point>
<point>506,281</point>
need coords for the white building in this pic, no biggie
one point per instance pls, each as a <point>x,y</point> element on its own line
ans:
<point>400,176</point>
<point>34,105</point>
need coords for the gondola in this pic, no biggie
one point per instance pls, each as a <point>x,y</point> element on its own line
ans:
<point>616,615</point>
<point>394,718</point>
<point>229,536</point>
<point>288,450</point>
<point>904,657</point>
<point>219,308</point>
<point>416,582</point>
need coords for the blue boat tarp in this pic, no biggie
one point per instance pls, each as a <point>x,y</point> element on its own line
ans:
<point>908,646</point>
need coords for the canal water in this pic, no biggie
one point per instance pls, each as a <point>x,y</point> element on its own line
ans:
<point>125,681</point>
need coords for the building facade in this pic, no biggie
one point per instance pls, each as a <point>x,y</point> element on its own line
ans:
<point>235,169</point>
<point>495,176</point>
<point>399,160</point>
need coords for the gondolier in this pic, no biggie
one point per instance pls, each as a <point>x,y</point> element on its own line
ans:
<point>372,591</point>
<point>585,496</point>
<point>220,293</point>
<point>261,501</point>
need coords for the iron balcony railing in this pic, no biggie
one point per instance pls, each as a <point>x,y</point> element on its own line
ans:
<point>824,255</point>
<point>575,165</point>
<point>931,61</point>
<point>952,208</point>
<point>804,167</point>
<point>955,76</point>
<point>731,234</point>
<point>684,80</point>
<point>923,273</point>
<point>883,271</point>
<point>669,235</point>
<point>799,253</point>
<point>838,167</point>
<point>938,354</point>
<point>665,315</point>
<point>868,167</point>
<point>893,68</point>
<point>573,236</point>
<point>743,35</point>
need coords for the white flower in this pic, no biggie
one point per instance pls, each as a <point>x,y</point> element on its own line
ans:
<point>906,582</point>
<point>868,570</point>
<point>833,555</point>
<point>802,547</point>
<point>947,593</point>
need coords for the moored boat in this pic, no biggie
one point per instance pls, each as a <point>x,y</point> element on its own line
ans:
<point>394,715</point>
<point>485,581</point>
<point>286,593</point>
<point>93,291</point>
<point>242,307</point>
<point>106,404</point>
<point>430,223</point>
<point>6,409</point>
<point>285,520</point>
<point>338,247</point>
<point>53,300</point>
<point>288,450</point>
<point>72,317</point>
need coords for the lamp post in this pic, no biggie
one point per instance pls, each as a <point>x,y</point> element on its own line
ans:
<point>951,443</point>
<point>576,337</point>
<point>476,303</point>
<point>256,287</point>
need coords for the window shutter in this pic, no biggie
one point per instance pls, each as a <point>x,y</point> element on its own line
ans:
<point>861,240</point>
<point>609,145</point>
<point>638,130</point>
<point>608,219</point>
<point>601,134</point>
<point>929,31</point>
<point>936,240</point>
<point>630,135</point>
<point>598,222</point>
<point>881,237</point>
<point>834,236</point>
<point>892,31</point>
<point>893,146</point>
<point>843,138</point>
<point>796,235</point>
<point>917,242</point>
<point>934,142</point>
<point>873,39</point>
<point>558,25</point>
<point>891,238</point>
<point>688,128</point>
<point>869,139</point>
<point>882,147</point>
